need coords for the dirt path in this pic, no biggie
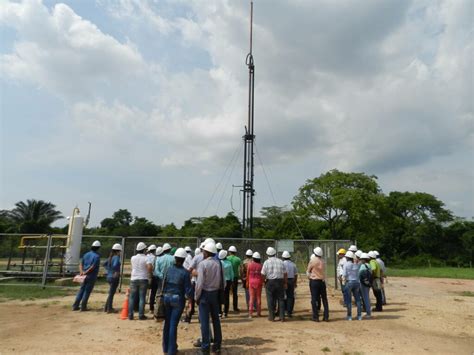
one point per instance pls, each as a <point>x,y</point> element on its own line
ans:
<point>423,316</point>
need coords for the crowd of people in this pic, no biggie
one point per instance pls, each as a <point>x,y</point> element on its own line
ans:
<point>180,279</point>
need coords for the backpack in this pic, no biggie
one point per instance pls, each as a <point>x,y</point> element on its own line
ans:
<point>365,276</point>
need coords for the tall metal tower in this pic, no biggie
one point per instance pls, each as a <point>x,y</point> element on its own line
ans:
<point>249,138</point>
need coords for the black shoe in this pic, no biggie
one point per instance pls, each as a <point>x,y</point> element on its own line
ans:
<point>325,319</point>
<point>75,308</point>
<point>85,309</point>
<point>142,318</point>
<point>216,349</point>
<point>315,320</point>
<point>197,343</point>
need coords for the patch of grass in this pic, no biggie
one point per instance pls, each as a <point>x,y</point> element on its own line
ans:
<point>435,272</point>
<point>326,350</point>
<point>466,293</point>
<point>24,293</point>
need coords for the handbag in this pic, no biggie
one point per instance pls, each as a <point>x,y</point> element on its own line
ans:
<point>159,312</point>
<point>79,279</point>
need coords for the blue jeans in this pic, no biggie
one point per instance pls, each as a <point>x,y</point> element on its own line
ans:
<point>84,292</point>
<point>137,289</point>
<point>174,305</point>
<point>365,295</point>
<point>345,296</point>
<point>353,287</point>
<point>113,283</point>
<point>209,304</point>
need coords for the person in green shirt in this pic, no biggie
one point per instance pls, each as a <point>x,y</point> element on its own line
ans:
<point>235,260</point>
<point>376,284</point>
<point>229,279</point>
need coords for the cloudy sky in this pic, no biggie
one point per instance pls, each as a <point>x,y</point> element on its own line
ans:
<point>142,104</point>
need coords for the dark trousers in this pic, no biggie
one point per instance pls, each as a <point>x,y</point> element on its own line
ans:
<point>153,290</point>
<point>113,284</point>
<point>235,296</point>
<point>228,286</point>
<point>275,293</point>
<point>290,297</point>
<point>318,296</point>
<point>84,292</point>
<point>376,288</point>
<point>209,305</point>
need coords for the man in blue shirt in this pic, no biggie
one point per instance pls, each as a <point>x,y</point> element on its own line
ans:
<point>89,267</point>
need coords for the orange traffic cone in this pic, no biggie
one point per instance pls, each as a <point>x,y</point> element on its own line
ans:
<point>124,313</point>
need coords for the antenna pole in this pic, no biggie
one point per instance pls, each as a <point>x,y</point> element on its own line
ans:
<point>249,138</point>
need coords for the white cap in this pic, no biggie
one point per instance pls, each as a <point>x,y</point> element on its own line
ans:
<point>349,254</point>
<point>271,251</point>
<point>117,246</point>
<point>96,244</point>
<point>353,248</point>
<point>187,249</point>
<point>152,247</point>
<point>249,252</point>
<point>197,251</point>
<point>166,247</point>
<point>209,240</point>
<point>358,253</point>
<point>318,251</point>
<point>210,247</point>
<point>180,253</point>
<point>159,251</point>
<point>286,255</point>
<point>372,255</point>
<point>141,246</point>
<point>365,256</point>
<point>256,255</point>
<point>376,253</point>
<point>222,254</point>
<point>233,249</point>
<point>219,245</point>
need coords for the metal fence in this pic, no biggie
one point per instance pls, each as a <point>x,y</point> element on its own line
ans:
<point>37,258</point>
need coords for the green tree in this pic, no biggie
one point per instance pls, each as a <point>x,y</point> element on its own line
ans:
<point>34,216</point>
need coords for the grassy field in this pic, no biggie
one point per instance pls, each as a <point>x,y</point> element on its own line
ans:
<point>33,292</point>
<point>437,272</point>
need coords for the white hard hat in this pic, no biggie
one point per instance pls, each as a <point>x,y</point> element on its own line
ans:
<point>202,245</point>
<point>256,255</point>
<point>219,245</point>
<point>96,244</point>
<point>318,251</point>
<point>188,249</point>
<point>349,254</point>
<point>372,255</point>
<point>197,251</point>
<point>209,240</point>
<point>286,255</point>
<point>376,253</point>
<point>222,254</point>
<point>141,246</point>
<point>365,256</point>
<point>210,247</point>
<point>353,248</point>
<point>117,246</point>
<point>271,251</point>
<point>358,253</point>
<point>180,253</point>
<point>152,247</point>
<point>233,249</point>
<point>159,251</point>
<point>249,252</point>
<point>166,247</point>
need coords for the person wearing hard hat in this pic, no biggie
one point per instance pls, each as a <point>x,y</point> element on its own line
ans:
<point>235,260</point>
<point>210,279</point>
<point>254,282</point>
<point>112,265</point>
<point>383,275</point>
<point>275,275</point>
<point>376,284</point>
<point>292,272</point>
<point>176,288</point>
<point>153,281</point>
<point>317,285</point>
<point>89,266</point>
<point>342,260</point>
<point>243,274</point>
<point>350,274</point>
<point>141,270</point>
<point>198,257</point>
<point>229,279</point>
<point>357,254</point>
<point>219,247</point>
<point>189,257</point>
<point>163,263</point>
<point>365,277</point>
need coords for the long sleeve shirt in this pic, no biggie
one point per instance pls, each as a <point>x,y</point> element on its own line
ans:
<point>350,271</point>
<point>178,282</point>
<point>162,265</point>
<point>290,268</point>
<point>340,265</point>
<point>316,269</point>
<point>210,276</point>
<point>113,268</point>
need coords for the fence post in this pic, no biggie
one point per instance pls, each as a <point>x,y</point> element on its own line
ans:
<point>46,261</point>
<point>122,262</point>
<point>334,255</point>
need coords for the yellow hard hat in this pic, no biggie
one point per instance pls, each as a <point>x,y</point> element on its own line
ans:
<point>341,251</point>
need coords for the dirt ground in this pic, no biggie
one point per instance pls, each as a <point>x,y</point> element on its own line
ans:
<point>422,316</point>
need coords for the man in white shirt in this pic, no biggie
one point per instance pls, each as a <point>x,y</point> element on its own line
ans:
<point>275,275</point>
<point>153,281</point>
<point>141,270</point>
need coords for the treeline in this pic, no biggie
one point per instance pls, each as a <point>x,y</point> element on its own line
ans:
<point>408,228</point>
